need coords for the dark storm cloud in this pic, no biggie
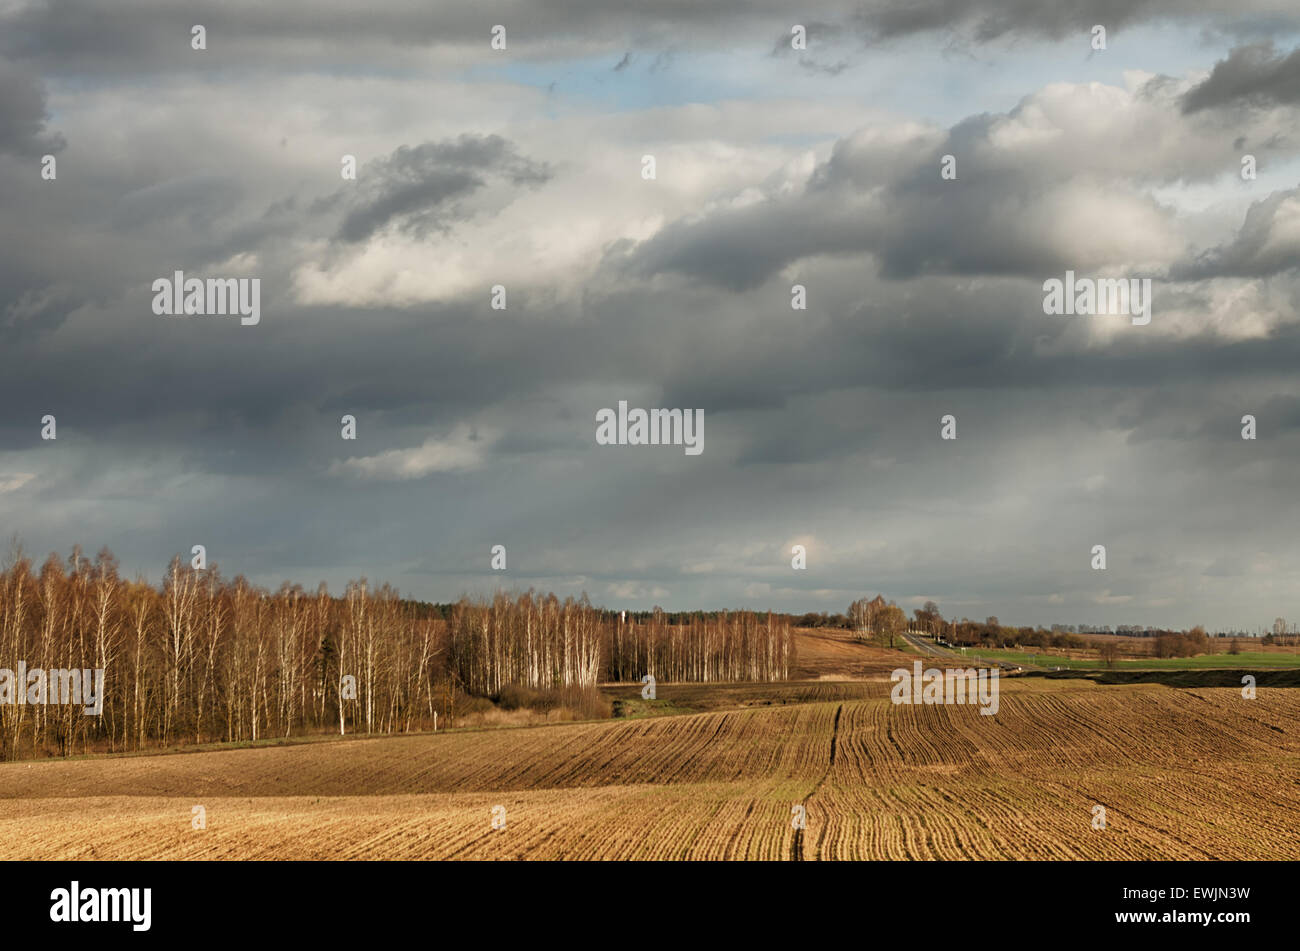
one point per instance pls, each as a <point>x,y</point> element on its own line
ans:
<point>134,35</point>
<point>741,248</point>
<point>417,188</point>
<point>1251,75</point>
<point>929,336</point>
<point>1282,414</point>
<point>154,34</point>
<point>34,311</point>
<point>991,19</point>
<point>983,21</point>
<point>826,441</point>
<point>23,114</point>
<point>242,385</point>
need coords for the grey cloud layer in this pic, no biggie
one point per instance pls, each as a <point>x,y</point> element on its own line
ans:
<point>1029,194</point>
<point>136,34</point>
<point>418,187</point>
<point>474,426</point>
<point>1254,75</point>
<point>1268,243</point>
<point>23,114</point>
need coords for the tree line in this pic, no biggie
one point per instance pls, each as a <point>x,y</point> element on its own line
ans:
<point>717,646</point>
<point>203,658</point>
<point>883,621</point>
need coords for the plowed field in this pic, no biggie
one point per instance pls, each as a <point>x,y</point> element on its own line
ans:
<point>1182,773</point>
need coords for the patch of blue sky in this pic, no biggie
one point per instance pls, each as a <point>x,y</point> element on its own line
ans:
<point>920,77</point>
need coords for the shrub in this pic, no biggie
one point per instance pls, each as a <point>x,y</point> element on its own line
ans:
<point>515,697</point>
<point>561,703</point>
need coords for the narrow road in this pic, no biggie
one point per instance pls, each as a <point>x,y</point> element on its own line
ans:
<point>933,649</point>
<point>926,648</point>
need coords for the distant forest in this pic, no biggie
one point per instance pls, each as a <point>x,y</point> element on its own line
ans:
<point>201,657</point>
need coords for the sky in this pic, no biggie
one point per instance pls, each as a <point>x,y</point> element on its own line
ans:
<point>773,166</point>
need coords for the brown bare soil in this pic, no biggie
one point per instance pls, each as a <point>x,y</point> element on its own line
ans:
<point>831,654</point>
<point>1183,774</point>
